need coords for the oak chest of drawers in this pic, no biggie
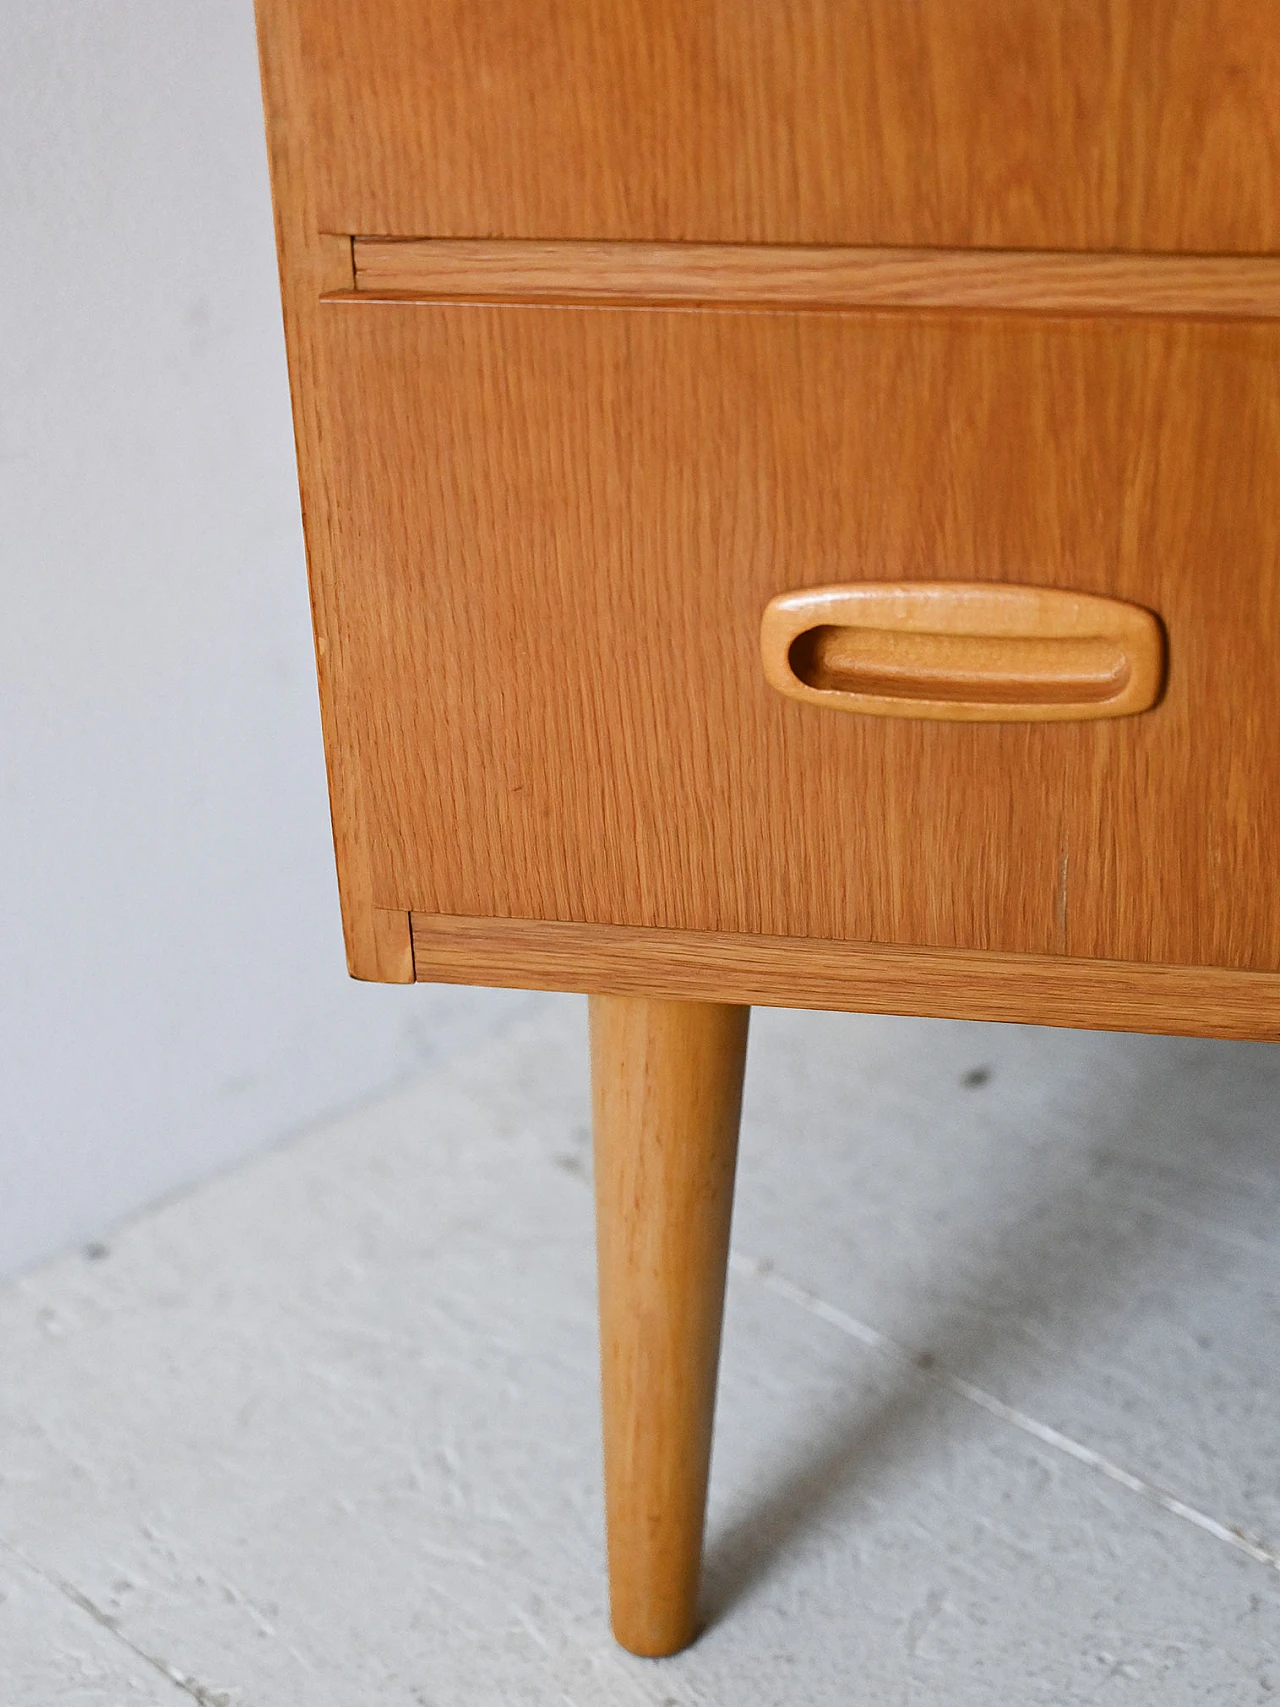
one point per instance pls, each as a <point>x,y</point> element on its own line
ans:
<point>791,506</point>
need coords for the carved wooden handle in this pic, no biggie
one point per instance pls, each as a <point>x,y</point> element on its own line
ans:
<point>972,652</point>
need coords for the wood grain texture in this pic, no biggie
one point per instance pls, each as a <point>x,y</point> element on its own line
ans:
<point>467,269</point>
<point>312,263</point>
<point>709,966</point>
<point>666,1092</point>
<point>959,651</point>
<point>1020,124</point>
<point>557,530</point>
<point>392,942</point>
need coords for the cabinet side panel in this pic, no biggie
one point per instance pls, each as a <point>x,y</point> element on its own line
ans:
<point>312,262</point>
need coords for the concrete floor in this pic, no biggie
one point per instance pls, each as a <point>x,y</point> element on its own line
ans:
<point>998,1415</point>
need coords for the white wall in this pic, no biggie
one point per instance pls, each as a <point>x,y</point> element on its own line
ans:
<point>172,990</point>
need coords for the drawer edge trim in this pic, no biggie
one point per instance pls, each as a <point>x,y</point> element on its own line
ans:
<point>800,972</point>
<point>741,275</point>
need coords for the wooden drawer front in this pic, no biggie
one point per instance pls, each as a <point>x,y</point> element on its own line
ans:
<point>558,528</point>
<point>1094,124</point>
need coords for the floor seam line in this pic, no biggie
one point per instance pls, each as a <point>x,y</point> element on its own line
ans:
<point>77,1598</point>
<point>763,1272</point>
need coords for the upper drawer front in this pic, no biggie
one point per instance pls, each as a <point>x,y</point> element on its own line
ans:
<point>1074,124</point>
<point>554,532</point>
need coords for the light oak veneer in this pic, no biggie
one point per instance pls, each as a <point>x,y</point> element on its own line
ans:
<point>790,972</point>
<point>994,124</point>
<point>552,533</point>
<point>790,276</point>
<point>609,323</point>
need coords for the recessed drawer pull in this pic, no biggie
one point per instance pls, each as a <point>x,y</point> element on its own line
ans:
<point>965,651</point>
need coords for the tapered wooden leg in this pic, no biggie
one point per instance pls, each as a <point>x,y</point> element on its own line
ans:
<point>666,1094</point>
